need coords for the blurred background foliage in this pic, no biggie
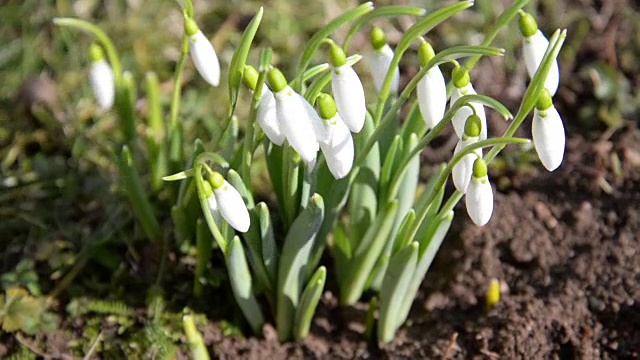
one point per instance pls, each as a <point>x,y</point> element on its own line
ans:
<point>66,231</point>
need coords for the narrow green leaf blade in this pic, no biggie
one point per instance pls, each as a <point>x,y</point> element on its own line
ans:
<point>308,303</point>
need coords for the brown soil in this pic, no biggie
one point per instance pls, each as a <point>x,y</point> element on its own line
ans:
<point>564,250</point>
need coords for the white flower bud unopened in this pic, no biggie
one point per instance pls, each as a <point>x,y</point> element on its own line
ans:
<point>548,137</point>
<point>479,200</point>
<point>232,207</point>
<point>339,149</point>
<point>204,58</point>
<point>432,96</point>
<point>267,117</point>
<point>380,63</point>
<point>463,170</point>
<point>460,117</point>
<point>534,48</point>
<point>349,96</point>
<point>102,83</point>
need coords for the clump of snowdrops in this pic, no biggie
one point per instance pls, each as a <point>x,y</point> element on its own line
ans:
<point>343,165</point>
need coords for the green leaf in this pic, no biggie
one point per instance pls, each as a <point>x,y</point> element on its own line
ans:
<point>179,176</point>
<point>239,59</point>
<point>236,181</point>
<point>269,247</point>
<point>242,285</point>
<point>293,262</point>
<point>274,167</point>
<point>254,243</point>
<point>204,247</point>
<point>393,292</point>
<point>395,151</point>
<point>308,303</point>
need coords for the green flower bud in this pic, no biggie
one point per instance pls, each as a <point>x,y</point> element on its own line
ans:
<point>473,126</point>
<point>544,101</point>
<point>326,106</point>
<point>216,180</point>
<point>95,52</point>
<point>460,77</point>
<point>208,191</point>
<point>190,26</point>
<point>337,56</point>
<point>479,168</point>
<point>378,38</point>
<point>426,52</point>
<point>277,81</point>
<point>250,77</point>
<point>528,25</point>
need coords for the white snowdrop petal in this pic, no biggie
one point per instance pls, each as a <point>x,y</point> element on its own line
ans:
<point>534,48</point>
<point>432,96</point>
<point>319,132</point>
<point>295,124</point>
<point>463,170</point>
<point>479,200</point>
<point>267,117</point>
<point>204,58</point>
<point>232,207</point>
<point>215,209</point>
<point>339,151</point>
<point>548,137</point>
<point>349,96</point>
<point>460,117</point>
<point>380,62</point>
<point>102,83</point>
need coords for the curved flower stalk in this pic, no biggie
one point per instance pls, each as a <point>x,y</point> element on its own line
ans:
<point>266,116</point>
<point>202,53</point>
<point>298,120</point>
<point>534,46</point>
<point>463,170</point>
<point>381,60</point>
<point>548,132</point>
<point>101,78</point>
<point>479,197</point>
<point>347,90</point>
<point>338,150</point>
<point>225,201</point>
<point>432,90</point>
<point>462,86</point>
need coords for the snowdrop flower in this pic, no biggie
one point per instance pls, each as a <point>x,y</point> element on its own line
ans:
<point>338,150</point>
<point>548,132</point>
<point>213,204</point>
<point>226,201</point>
<point>347,90</point>
<point>462,170</point>
<point>534,46</point>
<point>381,61</point>
<point>299,122</point>
<point>266,116</point>
<point>462,86</point>
<point>432,90</point>
<point>101,78</point>
<point>202,53</point>
<point>479,197</point>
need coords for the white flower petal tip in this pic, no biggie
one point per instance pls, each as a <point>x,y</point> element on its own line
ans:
<point>548,137</point>
<point>432,97</point>
<point>479,199</point>
<point>268,119</point>
<point>534,48</point>
<point>349,96</point>
<point>204,58</point>
<point>460,117</point>
<point>463,170</point>
<point>299,123</point>
<point>232,207</point>
<point>380,62</point>
<point>102,83</point>
<point>339,150</point>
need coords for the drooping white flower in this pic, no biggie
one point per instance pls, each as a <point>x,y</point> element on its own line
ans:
<point>202,53</point>
<point>380,61</point>
<point>479,197</point>
<point>432,90</point>
<point>339,150</point>
<point>101,78</point>
<point>548,133</point>
<point>462,171</point>
<point>462,86</point>
<point>229,203</point>
<point>298,121</point>
<point>267,117</point>
<point>215,209</point>
<point>534,46</point>
<point>349,96</point>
